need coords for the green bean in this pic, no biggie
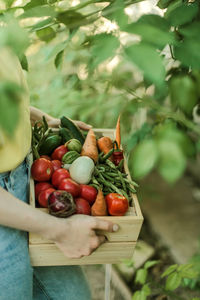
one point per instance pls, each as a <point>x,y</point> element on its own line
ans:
<point>122,181</point>
<point>107,155</point>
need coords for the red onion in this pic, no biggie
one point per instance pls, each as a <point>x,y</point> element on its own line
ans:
<point>61,204</point>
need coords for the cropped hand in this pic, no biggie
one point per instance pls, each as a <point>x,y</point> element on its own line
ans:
<point>76,236</point>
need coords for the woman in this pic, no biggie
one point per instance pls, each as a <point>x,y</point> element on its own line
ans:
<point>74,236</point>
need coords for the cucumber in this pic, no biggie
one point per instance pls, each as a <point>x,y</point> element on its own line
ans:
<point>49,144</point>
<point>65,135</point>
<point>76,132</point>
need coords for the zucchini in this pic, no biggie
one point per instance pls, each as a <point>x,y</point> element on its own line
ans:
<point>65,135</point>
<point>49,144</point>
<point>76,132</point>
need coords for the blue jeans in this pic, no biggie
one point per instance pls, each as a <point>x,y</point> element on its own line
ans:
<point>18,280</point>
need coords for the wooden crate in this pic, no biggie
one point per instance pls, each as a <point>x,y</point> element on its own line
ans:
<point>118,246</point>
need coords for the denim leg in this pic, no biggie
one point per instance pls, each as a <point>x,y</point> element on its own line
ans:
<point>60,283</point>
<point>15,270</point>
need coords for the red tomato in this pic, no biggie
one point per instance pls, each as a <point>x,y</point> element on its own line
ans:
<point>56,164</point>
<point>59,152</point>
<point>58,176</point>
<point>41,169</point>
<point>41,186</point>
<point>43,197</point>
<point>88,192</point>
<point>82,206</point>
<point>70,186</point>
<point>117,204</point>
<point>45,156</point>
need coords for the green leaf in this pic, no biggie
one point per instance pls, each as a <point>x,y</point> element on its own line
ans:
<point>42,24</point>
<point>180,13</point>
<point>190,30</point>
<point>150,264</point>
<point>104,47</point>
<point>172,161</point>
<point>183,93</point>
<point>46,34</point>
<point>34,3</point>
<point>163,3</point>
<point>141,276</point>
<point>152,29</point>
<point>143,158</point>
<point>173,281</point>
<point>9,3</point>
<point>59,59</point>
<point>188,52</point>
<point>14,36</point>
<point>71,19</point>
<point>148,60</point>
<point>115,12</point>
<point>169,270</point>
<point>9,106</point>
<point>39,11</point>
<point>24,62</point>
<point>139,295</point>
<point>146,289</point>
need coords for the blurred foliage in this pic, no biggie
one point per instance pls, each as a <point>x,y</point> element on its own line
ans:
<point>91,61</point>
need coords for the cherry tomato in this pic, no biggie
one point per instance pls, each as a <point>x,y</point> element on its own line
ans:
<point>58,176</point>
<point>41,186</point>
<point>56,164</point>
<point>43,197</point>
<point>117,204</point>
<point>41,169</point>
<point>82,206</point>
<point>59,152</point>
<point>45,156</point>
<point>88,192</point>
<point>70,186</point>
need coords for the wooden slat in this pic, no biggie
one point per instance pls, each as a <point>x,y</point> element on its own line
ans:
<point>50,255</point>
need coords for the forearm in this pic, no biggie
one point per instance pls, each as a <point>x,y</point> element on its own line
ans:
<point>17,214</point>
<point>36,115</point>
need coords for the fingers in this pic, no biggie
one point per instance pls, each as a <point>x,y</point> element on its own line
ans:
<point>104,225</point>
<point>82,125</point>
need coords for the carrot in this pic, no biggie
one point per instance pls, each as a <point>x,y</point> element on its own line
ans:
<point>105,144</point>
<point>99,208</point>
<point>90,146</point>
<point>118,134</point>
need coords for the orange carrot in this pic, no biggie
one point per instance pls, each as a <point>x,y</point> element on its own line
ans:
<point>90,146</point>
<point>118,134</point>
<point>105,144</point>
<point>99,208</point>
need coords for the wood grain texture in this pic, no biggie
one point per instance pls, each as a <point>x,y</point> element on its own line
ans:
<point>50,255</point>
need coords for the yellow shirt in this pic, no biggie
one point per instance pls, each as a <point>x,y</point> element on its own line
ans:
<point>14,149</point>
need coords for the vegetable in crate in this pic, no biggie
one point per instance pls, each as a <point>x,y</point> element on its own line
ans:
<point>61,204</point>
<point>74,145</point>
<point>41,169</point>
<point>58,176</point>
<point>99,208</point>
<point>90,146</point>
<point>43,197</point>
<point>81,169</point>
<point>117,154</point>
<point>117,204</point>
<point>88,192</point>
<point>69,157</point>
<point>70,186</point>
<point>59,152</point>
<point>105,145</point>
<point>41,186</point>
<point>49,144</point>
<point>56,164</point>
<point>74,130</point>
<point>82,206</point>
